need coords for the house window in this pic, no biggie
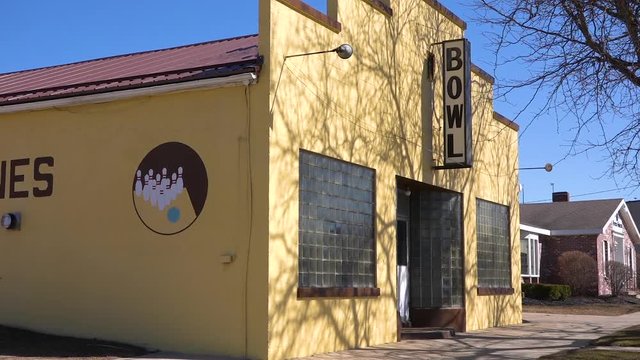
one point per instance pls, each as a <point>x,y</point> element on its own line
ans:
<point>617,221</point>
<point>605,255</point>
<point>494,250</point>
<point>336,227</point>
<point>530,256</point>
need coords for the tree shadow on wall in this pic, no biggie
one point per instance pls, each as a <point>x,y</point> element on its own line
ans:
<point>376,110</point>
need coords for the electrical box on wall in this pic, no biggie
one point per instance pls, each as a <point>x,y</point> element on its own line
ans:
<point>10,221</point>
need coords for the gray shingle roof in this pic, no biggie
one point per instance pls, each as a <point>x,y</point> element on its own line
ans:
<point>572,215</point>
<point>634,209</point>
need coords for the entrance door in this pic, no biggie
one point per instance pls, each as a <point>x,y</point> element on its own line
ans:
<point>435,259</point>
<point>430,256</point>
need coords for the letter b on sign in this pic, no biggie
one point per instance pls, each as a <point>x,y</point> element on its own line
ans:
<point>453,58</point>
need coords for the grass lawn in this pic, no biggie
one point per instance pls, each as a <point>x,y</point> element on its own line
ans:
<point>625,337</point>
<point>591,309</point>
<point>629,337</point>
<point>581,305</point>
<point>591,354</point>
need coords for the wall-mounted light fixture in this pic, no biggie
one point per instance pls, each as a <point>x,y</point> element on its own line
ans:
<point>547,167</point>
<point>344,51</point>
<point>10,221</point>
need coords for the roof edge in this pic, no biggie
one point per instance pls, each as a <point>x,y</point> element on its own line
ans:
<point>131,54</point>
<point>242,79</point>
<point>214,71</point>
<point>535,229</point>
<point>444,11</point>
<point>595,231</point>
<point>629,222</point>
<point>506,121</point>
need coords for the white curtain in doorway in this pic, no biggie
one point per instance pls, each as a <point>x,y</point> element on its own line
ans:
<point>403,293</point>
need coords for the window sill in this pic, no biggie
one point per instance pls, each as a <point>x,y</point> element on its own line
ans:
<point>337,292</point>
<point>495,291</point>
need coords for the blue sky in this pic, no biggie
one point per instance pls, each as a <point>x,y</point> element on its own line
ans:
<point>38,33</point>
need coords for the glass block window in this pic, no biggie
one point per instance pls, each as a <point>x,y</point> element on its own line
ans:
<point>494,250</point>
<point>336,231</point>
<point>436,263</point>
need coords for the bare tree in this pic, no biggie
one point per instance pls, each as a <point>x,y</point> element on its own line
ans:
<point>583,58</point>
<point>619,277</point>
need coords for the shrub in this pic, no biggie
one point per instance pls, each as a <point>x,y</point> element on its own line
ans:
<point>546,291</point>
<point>619,276</point>
<point>580,271</point>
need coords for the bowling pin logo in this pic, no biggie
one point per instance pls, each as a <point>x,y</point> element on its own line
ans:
<point>170,188</point>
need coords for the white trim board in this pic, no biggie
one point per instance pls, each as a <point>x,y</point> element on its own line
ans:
<point>227,81</point>
<point>534,229</point>
<point>542,231</point>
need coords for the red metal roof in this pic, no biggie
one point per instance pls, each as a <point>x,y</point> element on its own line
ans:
<point>158,67</point>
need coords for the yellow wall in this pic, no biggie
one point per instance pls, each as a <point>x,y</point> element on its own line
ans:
<point>377,110</point>
<point>83,263</point>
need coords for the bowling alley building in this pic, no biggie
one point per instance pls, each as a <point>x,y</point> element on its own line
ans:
<point>316,187</point>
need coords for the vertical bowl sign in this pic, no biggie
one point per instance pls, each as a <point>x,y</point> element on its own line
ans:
<point>170,188</point>
<point>456,73</point>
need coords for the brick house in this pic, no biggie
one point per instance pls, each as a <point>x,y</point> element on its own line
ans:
<point>603,229</point>
<point>634,208</point>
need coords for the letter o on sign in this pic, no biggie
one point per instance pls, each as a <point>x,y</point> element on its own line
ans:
<point>454,87</point>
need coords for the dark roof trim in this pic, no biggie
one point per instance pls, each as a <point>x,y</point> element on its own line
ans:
<point>447,13</point>
<point>483,74</point>
<point>313,14</point>
<point>380,6</point>
<point>504,120</point>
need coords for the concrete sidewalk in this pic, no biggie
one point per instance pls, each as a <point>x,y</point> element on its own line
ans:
<point>541,334</point>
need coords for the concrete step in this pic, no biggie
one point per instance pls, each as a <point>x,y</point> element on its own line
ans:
<point>419,333</point>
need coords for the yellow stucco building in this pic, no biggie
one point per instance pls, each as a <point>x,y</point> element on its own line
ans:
<point>233,198</point>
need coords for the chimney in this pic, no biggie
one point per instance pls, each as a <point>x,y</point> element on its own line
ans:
<point>560,196</point>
